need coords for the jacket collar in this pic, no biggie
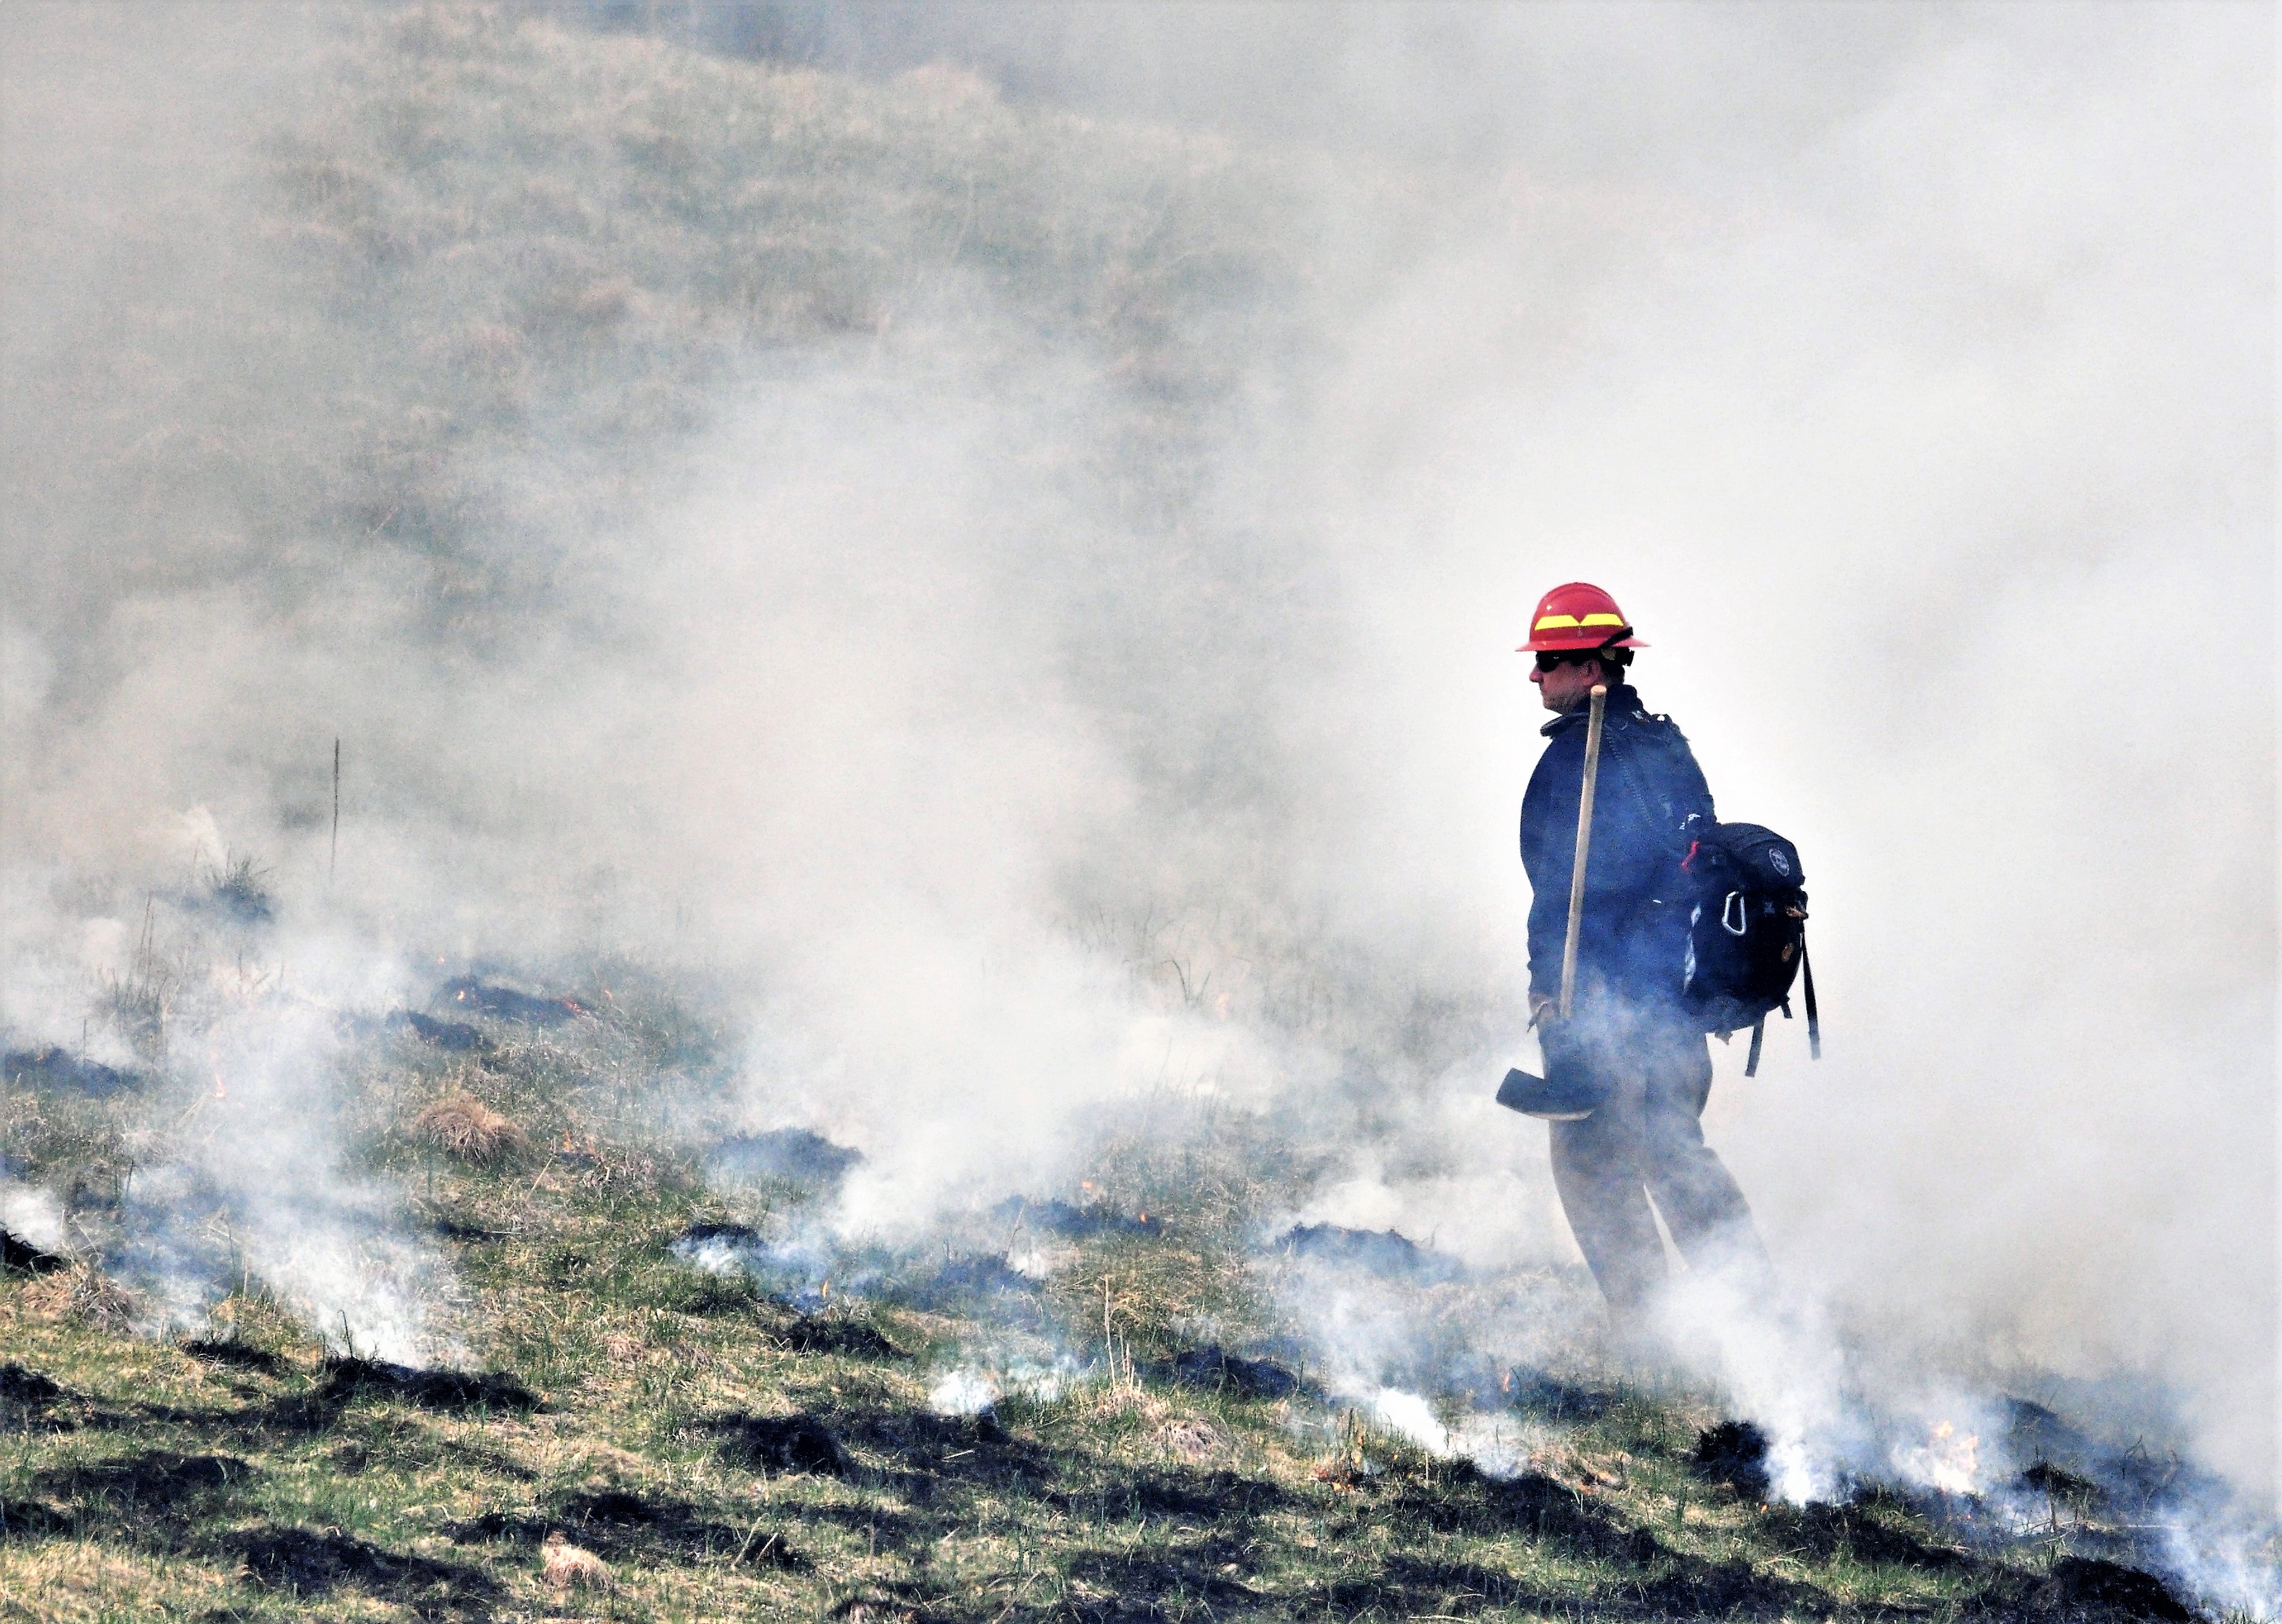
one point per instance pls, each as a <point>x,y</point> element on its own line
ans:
<point>1623,701</point>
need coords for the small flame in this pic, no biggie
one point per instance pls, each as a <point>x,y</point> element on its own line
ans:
<point>1953,1461</point>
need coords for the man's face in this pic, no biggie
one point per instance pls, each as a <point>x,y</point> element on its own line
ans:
<point>1568,685</point>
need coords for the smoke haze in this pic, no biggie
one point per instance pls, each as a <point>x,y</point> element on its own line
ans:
<point>1042,634</point>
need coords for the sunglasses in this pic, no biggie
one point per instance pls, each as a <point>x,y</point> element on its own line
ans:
<point>1554,661</point>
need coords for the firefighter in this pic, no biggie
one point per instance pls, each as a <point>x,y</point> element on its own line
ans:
<point>1649,1062</point>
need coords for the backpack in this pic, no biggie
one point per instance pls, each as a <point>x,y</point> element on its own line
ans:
<point>1740,883</point>
<point>1747,933</point>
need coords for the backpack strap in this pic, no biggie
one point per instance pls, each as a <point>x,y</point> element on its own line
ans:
<point>1814,1021</point>
<point>1759,1030</point>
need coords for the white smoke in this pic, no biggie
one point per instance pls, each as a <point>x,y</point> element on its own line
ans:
<point>1025,735</point>
<point>32,1215</point>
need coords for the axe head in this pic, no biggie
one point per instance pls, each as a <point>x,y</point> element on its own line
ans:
<point>1561,1098</point>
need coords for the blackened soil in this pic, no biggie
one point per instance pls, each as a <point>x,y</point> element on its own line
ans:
<point>29,1520</point>
<point>236,1356</point>
<point>1826,1530</point>
<point>65,1072</point>
<point>712,1294</point>
<point>1219,1495</point>
<point>987,1275</point>
<point>1542,1508</point>
<point>452,1037</point>
<point>793,1154</point>
<point>779,1443</point>
<point>1735,1453</point>
<point>158,1494</point>
<point>22,1257</point>
<point>310,1563</point>
<point>615,1522</point>
<point>20,1386</point>
<point>1060,1219</point>
<point>2087,1588</point>
<point>481,998</point>
<point>449,1391</point>
<point>929,1450</point>
<point>1542,1394</point>
<point>833,1333</point>
<point>619,1524</point>
<point>2061,1484</point>
<point>1694,1589</point>
<point>1384,1253</point>
<point>1215,1370</point>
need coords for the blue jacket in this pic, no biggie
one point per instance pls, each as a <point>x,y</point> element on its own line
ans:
<point>1648,800</point>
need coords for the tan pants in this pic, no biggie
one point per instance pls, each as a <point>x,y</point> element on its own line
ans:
<point>1647,1141</point>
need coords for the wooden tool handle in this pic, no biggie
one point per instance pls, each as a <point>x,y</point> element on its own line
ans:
<point>1584,846</point>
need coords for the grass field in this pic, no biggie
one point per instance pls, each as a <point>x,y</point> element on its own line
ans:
<point>631,1435</point>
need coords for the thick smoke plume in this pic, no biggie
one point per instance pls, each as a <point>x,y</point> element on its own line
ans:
<point>1032,614</point>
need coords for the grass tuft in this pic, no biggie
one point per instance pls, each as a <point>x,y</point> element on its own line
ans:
<point>468,1130</point>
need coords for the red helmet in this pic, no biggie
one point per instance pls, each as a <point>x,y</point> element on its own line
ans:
<point>1576,616</point>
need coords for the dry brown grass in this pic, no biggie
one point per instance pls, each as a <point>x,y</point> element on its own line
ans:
<point>566,1566</point>
<point>468,1131</point>
<point>1189,1437</point>
<point>82,1294</point>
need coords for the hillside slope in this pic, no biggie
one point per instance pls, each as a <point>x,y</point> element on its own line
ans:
<point>476,242</point>
<point>770,1429</point>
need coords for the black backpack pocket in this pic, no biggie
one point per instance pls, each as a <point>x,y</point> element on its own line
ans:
<point>1747,932</point>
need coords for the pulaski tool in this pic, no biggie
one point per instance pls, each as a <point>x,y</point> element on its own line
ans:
<point>1566,1093</point>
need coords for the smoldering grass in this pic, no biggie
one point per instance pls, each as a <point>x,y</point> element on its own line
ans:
<point>137,1005</point>
<point>1113,1483</point>
<point>237,886</point>
<point>1132,1301</point>
<point>75,1147</point>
